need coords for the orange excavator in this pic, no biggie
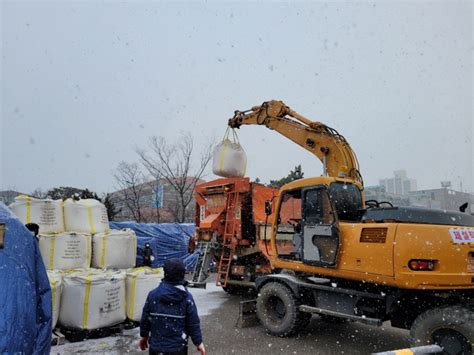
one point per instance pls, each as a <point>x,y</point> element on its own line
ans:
<point>344,258</point>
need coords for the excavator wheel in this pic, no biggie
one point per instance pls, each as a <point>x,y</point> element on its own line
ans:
<point>451,327</point>
<point>277,310</point>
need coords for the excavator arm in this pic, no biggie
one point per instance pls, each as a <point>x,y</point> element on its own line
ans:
<point>337,156</point>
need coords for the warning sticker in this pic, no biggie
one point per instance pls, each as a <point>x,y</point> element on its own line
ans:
<point>470,264</point>
<point>462,235</point>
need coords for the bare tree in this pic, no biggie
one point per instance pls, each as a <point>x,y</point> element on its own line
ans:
<point>131,182</point>
<point>39,193</point>
<point>177,165</point>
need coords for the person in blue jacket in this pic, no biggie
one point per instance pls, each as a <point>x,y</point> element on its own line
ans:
<point>170,315</point>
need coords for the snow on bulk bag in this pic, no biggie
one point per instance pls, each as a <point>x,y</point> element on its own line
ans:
<point>93,299</point>
<point>65,251</point>
<point>140,282</point>
<point>229,159</point>
<point>87,216</point>
<point>55,281</point>
<point>114,249</point>
<point>48,214</point>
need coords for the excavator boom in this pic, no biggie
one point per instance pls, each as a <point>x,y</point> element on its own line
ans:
<point>338,158</point>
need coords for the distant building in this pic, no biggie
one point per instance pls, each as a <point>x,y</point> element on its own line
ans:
<point>400,184</point>
<point>8,196</point>
<point>443,198</point>
<point>158,203</point>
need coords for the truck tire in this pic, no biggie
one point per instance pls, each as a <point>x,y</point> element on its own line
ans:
<point>451,327</point>
<point>277,310</point>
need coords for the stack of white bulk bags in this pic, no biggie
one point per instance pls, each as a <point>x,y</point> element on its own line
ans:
<point>48,214</point>
<point>55,281</point>
<point>86,216</point>
<point>114,249</point>
<point>93,299</point>
<point>140,281</point>
<point>66,251</point>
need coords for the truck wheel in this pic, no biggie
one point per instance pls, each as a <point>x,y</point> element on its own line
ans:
<point>277,310</point>
<point>450,327</point>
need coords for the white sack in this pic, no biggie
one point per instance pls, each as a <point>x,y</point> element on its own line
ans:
<point>65,251</point>
<point>229,159</point>
<point>87,216</point>
<point>55,281</point>
<point>140,282</point>
<point>48,214</point>
<point>93,299</point>
<point>114,249</point>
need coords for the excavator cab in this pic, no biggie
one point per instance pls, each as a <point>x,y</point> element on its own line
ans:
<point>307,224</point>
<point>309,211</point>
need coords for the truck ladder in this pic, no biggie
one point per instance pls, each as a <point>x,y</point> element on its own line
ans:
<point>201,270</point>
<point>228,243</point>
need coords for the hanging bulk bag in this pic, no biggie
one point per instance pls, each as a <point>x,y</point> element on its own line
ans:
<point>229,158</point>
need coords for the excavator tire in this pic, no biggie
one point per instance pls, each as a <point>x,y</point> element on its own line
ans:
<point>451,327</point>
<point>277,310</point>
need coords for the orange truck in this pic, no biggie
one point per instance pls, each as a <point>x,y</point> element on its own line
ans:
<point>232,230</point>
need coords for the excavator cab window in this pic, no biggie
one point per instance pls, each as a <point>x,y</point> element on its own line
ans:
<point>288,238</point>
<point>320,233</point>
<point>347,200</point>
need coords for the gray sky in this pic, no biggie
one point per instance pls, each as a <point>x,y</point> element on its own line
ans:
<point>83,83</point>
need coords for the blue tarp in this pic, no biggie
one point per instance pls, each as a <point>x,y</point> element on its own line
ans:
<point>167,240</point>
<point>25,294</point>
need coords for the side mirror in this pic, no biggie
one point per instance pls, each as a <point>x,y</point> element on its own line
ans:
<point>268,207</point>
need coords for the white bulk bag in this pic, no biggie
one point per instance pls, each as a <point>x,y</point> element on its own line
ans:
<point>87,216</point>
<point>93,299</point>
<point>229,158</point>
<point>55,281</point>
<point>48,214</point>
<point>65,251</point>
<point>140,282</point>
<point>114,249</point>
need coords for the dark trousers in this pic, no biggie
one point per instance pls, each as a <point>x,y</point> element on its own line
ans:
<point>181,352</point>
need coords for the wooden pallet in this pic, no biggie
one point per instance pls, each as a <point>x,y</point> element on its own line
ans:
<point>57,338</point>
<point>74,335</point>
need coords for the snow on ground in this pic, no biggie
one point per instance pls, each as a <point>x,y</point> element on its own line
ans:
<point>206,301</point>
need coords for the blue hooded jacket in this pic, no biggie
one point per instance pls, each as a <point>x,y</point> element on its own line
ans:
<point>170,315</point>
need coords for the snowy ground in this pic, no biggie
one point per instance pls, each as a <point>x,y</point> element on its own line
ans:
<point>219,314</point>
<point>207,300</point>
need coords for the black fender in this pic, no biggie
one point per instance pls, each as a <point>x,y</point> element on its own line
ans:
<point>290,281</point>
